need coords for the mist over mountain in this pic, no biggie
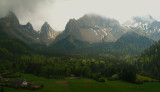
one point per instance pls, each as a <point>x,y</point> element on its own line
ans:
<point>93,28</point>
<point>79,45</point>
<point>91,47</point>
<point>47,33</point>
<point>146,26</point>
<point>26,33</point>
<point>90,28</point>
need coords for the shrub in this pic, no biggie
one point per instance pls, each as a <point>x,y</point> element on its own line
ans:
<point>100,80</point>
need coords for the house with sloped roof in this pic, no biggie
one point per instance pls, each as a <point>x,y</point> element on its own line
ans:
<point>20,83</point>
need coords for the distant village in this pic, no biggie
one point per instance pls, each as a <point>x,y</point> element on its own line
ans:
<point>17,82</point>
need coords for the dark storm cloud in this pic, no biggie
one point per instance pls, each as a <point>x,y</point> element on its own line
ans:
<point>34,11</point>
<point>20,6</point>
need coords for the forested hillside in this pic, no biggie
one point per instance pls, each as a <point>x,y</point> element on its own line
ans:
<point>149,61</point>
<point>69,55</point>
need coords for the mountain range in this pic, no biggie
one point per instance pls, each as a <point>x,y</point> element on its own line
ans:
<point>90,32</point>
<point>146,26</point>
<point>26,33</point>
<point>92,46</point>
<point>93,29</point>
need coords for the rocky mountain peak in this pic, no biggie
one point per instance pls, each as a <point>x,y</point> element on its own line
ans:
<point>145,25</point>
<point>12,18</point>
<point>150,17</point>
<point>72,21</point>
<point>93,28</point>
<point>144,19</point>
<point>142,22</point>
<point>11,15</point>
<point>97,20</point>
<point>29,26</point>
<point>72,25</point>
<point>46,24</point>
<point>47,32</point>
<point>46,27</point>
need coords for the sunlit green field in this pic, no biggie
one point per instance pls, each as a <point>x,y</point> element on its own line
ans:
<point>87,85</point>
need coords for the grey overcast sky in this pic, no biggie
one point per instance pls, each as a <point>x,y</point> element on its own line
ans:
<point>58,12</point>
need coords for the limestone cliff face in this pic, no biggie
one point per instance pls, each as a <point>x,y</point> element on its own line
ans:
<point>47,33</point>
<point>93,29</point>
<point>25,33</point>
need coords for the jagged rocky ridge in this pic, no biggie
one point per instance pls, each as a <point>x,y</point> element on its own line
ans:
<point>93,29</point>
<point>26,33</point>
<point>146,26</point>
<point>88,29</point>
<point>47,33</point>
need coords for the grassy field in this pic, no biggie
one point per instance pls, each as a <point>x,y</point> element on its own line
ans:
<point>144,78</point>
<point>87,85</point>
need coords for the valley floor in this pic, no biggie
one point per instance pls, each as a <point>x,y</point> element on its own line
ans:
<point>86,85</point>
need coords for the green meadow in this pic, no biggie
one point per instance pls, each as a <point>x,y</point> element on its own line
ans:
<point>86,85</point>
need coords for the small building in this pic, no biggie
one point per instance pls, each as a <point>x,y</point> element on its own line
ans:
<point>115,77</point>
<point>20,83</point>
<point>72,75</point>
<point>4,79</point>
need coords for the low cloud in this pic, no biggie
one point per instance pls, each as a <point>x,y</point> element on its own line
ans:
<point>20,6</point>
<point>58,12</point>
<point>26,10</point>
